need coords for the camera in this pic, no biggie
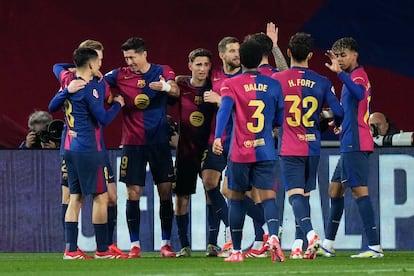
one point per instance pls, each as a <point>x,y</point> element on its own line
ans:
<point>52,132</point>
<point>398,139</point>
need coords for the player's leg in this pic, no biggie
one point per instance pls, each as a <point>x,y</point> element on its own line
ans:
<point>65,192</point>
<point>133,172</point>
<point>358,183</point>
<point>161,165</point>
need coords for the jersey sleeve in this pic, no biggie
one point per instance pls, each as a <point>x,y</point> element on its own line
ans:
<point>111,77</point>
<point>59,68</point>
<point>356,88</point>
<point>57,102</point>
<point>168,73</point>
<point>332,101</point>
<point>223,115</point>
<point>98,111</point>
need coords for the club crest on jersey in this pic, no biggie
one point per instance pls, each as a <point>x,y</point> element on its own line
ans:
<point>198,100</point>
<point>95,93</point>
<point>141,83</point>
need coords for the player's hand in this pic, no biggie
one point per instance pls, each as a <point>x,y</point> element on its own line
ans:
<point>337,130</point>
<point>76,85</point>
<point>212,97</point>
<point>30,139</point>
<point>217,147</point>
<point>334,66</point>
<point>120,100</point>
<point>273,32</point>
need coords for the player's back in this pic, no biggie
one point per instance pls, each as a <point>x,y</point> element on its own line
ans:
<point>305,92</point>
<point>84,133</point>
<point>258,102</point>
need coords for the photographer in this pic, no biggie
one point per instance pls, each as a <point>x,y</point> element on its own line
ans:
<point>39,137</point>
<point>386,134</point>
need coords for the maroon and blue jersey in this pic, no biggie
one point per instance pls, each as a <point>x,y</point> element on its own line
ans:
<point>256,105</point>
<point>217,79</point>
<point>145,110</point>
<point>195,118</point>
<point>84,115</point>
<point>305,93</point>
<point>355,99</point>
<point>267,70</point>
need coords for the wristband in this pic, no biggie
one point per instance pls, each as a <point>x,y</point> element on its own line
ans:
<point>165,86</point>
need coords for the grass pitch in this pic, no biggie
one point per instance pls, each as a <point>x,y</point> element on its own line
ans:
<point>394,262</point>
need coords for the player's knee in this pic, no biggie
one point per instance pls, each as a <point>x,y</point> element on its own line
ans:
<point>335,190</point>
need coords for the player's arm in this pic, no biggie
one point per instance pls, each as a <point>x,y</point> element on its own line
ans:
<point>111,77</point>
<point>333,103</point>
<point>273,32</point>
<point>223,115</point>
<point>58,68</point>
<point>279,112</point>
<point>212,97</point>
<point>170,87</point>
<point>57,101</point>
<point>104,116</point>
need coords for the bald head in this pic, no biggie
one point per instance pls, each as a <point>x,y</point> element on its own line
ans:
<point>380,122</point>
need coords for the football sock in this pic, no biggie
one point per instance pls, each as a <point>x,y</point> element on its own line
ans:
<point>101,237</point>
<point>256,213</point>
<point>133,215</point>
<point>298,232</point>
<point>219,204</point>
<point>368,220</point>
<point>334,218</point>
<point>237,214</point>
<point>166,217</point>
<point>71,236</point>
<point>301,209</point>
<point>214,224</point>
<point>112,214</point>
<point>182,225</point>
<point>271,215</point>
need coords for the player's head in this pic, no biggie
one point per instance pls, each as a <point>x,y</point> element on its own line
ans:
<point>250,54</point>
<point>228,49</point>
<point>300,47</point>
<point>86,58</point>
<point>265,42</point>
<point>199,63</point>
<point>93,44</point>
<point>346,50</point>
<point>135,53</point>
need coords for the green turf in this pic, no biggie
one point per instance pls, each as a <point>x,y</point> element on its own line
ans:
<point>150,264</point>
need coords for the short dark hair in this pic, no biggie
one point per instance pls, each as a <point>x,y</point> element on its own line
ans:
<point>250,54</point>
<point>264,40</point>
<point>226,40</point>
<point>345,43</point>
<point>199,52</point>
<point>134,43</point>
<point>81,56</point>
<point>300,45</point>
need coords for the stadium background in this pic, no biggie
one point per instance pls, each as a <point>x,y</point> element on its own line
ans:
<point>37,34</point>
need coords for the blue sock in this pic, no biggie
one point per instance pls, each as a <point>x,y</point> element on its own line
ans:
<point>133,215</point>
<point>367,215</point>
<point>271,214</point>
<point>237,213</point>
<point>71,236</point>
<point>214,224</point>
<point>298,233</point>
<point>166,217</point>
<point>182,225</point>
<point>301,209</point>
<point>256,213</point>
<point>101,237</point>
<point>219,204</point>
<point>63,214</point>
<point>335,215</point>
<point>112,215</point>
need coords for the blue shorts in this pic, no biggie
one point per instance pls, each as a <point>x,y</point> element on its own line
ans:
<point>212,161</point>
<point>352,169</point>
<point>64,174</point>
<point>134,162</point>
<point>243,176</point>
<point>85,172</point>
<point>299,172</point>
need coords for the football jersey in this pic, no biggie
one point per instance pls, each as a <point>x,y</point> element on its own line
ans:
<point>267,70</point>
<point>84,115</point>
<point>195,118</point>
<point>355,99</point>
<point>145,110</point>
<point>256,105</point>
<point>305,92</point>
<point>217,79</point>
